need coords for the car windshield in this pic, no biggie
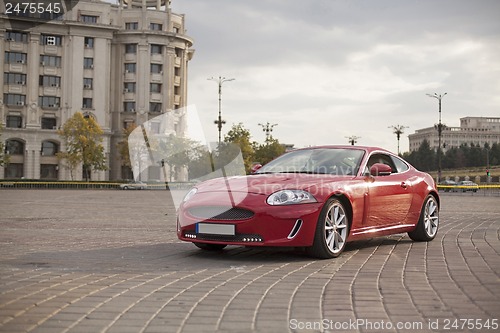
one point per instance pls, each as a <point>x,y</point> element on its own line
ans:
<point>337,161</point>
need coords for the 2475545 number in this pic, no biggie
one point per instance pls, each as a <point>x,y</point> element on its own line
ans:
<point>17,8</point>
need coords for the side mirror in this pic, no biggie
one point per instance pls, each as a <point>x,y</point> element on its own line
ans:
<point>256,167</point>
<point>380,169</point>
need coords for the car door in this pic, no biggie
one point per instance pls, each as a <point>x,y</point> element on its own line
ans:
<point>389,196</point>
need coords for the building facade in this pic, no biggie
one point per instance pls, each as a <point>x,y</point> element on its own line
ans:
<point>122,64</point>
<point>475,130</point>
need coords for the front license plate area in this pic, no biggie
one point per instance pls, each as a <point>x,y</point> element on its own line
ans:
<point>216,229</point>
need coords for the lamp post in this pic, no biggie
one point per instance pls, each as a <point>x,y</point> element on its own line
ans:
<point>267,128</point>
<point>353,139</point>
<point>440,127</point>
<point>398,130</point>
<point>219,122</point>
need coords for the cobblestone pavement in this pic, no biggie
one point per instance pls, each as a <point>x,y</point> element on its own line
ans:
<point>109,261</point>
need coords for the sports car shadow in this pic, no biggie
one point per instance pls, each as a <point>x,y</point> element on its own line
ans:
<point>174,256</point>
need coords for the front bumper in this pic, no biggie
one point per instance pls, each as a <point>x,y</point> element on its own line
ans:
<point>291,225</point>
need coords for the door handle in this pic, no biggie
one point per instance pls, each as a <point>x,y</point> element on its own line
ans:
<point>404,185</point>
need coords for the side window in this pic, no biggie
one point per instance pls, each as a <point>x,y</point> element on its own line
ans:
<point>384,159</point>
<point>400,165</point>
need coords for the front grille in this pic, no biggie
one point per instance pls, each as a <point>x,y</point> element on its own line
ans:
<point>220,213</point>
<point>240,238</point>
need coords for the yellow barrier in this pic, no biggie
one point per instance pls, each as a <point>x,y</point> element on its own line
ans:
<point>471,187</point>
<point>88,185</point>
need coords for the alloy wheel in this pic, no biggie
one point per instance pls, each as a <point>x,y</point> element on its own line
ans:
<point>335,228</point>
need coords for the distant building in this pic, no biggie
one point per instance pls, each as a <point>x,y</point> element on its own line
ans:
<point>476,130</point>
<point>120,63</point>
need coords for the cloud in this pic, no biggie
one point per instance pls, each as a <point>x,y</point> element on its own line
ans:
<point>324,70</point>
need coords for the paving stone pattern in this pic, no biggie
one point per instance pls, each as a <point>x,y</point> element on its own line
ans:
<point>109,261</point>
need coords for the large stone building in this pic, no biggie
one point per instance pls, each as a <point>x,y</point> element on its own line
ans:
<point>476,130</point>
<point>121,64</point>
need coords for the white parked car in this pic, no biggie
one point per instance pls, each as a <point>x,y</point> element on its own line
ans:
<point>467,185</point>
<point>134,185</point>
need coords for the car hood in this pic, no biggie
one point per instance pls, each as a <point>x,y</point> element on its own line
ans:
<point>266,184</point>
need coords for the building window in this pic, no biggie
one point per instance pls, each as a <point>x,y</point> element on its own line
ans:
<point>49,123</point>
<point>130,68</point>
<point>89,42</point>
<point>14,99</point>
<point>156,49</point>
<point>14,122</point>
<point>154,107</point>
<point>88,83</point>
<point>129,106</point>
<point>88,63</point>
<point>87,103</point>
<point>129,87</point>
<point>49,81</point>
<point>48,171</point>
<point>14,36</point>
<point>89,18</point>
<point>14,147</point>
<point>132,26</point>
<point>14,171</point>
<point>50,40</point>
<point>156,26</point>
<point>13,78</point>
<point>155,87</point>
<point>49,148</point>
<point>15,57</point>
<point>176,30</point>
<point>51,102</point>
<point>156,68</point>
<point>155,127</point>
<point>131,48</point>
<point>50,61</point>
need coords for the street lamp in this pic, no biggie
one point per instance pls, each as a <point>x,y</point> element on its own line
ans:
<point>398,130</point>
<point>353,139</point>
<point>219,122</point>
<point>440,127</point>
<point>268,128</point>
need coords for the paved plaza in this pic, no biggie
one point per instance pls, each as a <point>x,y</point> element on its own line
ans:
<point>109,261</point>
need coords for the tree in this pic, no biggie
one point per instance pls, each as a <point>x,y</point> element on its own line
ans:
<point>83,140</point>
<point>267,152</point>
<point>426,157</point>
<point>4,158</point>
<point>241,137</point>
<point>423,159</point>
<point>177,152</point>
<point>202,163</point>
<point>123,148</point>
<point>494,154</point>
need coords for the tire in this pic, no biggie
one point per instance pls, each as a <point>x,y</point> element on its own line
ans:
<point>428,223</point>
<point>331,232</point>
<point>210,247</point>
<point>125,187</point>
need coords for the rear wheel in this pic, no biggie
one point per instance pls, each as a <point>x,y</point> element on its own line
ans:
<point>210,247</point>
<point>428,223</point>
<point>332,230</point>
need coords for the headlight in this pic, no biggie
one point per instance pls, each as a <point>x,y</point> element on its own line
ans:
<point>190,194</point>
<point>290,197</point>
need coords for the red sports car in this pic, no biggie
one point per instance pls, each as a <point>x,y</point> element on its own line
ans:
<point>318,198</point>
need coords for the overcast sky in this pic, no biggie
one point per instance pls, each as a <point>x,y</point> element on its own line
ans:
<point>324,70</point>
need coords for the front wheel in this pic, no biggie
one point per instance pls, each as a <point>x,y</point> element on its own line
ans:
<point>331,232</point>
<point>428,223</point>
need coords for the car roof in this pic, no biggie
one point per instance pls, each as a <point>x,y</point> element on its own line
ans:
<point>366,148</point>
